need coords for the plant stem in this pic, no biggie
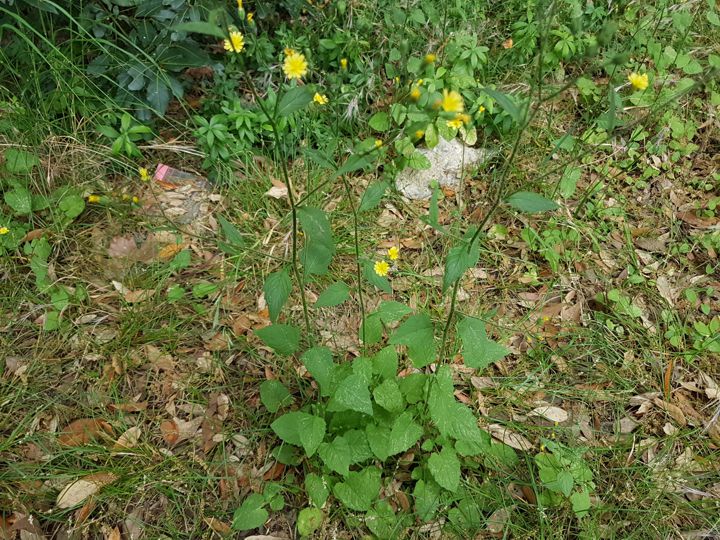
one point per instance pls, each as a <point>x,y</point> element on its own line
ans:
<point>357,260</point>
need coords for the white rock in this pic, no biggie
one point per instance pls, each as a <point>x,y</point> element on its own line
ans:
<point>447,161</point>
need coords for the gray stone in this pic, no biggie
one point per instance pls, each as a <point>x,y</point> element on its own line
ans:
<point>447,161</point>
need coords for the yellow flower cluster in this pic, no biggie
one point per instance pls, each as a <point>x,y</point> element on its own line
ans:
<point>295,66</point>
<point>4,230</point>
<point>638,81</point>
<point>236,43</point>
<point>144,174</point>
<point>320,99</point>
<point>382,268</point>
<point>452,101</point>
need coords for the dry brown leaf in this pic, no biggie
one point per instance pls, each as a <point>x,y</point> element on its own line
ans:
<point>170,432</point>
<point>497,521</point>
<point>159,359</point>
<point>169,251</point>
<point>673,410</point>
<point>278,191</point>
<point>128,440</point>
<point>665,289</point>
<point>510,438</point>
<point>82,431</point>
<point>265,537</point>
<point>114,534</point>
<point>130,407</point>
<point>28,527</point>
<point>554,414</point>
<point>79,490</point>
<point>82,513</point>
<point>122,247</point>
<point>701,223</point>
<point>134,526</point>
<point>223,529</point>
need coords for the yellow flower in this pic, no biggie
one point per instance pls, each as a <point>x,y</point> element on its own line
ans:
<point>250,16</point>
<point>481,109</point>
<point>465,118</point>
<point>378,143</point>
<point>136,200</point>
<point>430,58</point>
<point>457,123</point>
<point>144,174</point>
<point>236,43</point>
<point>420,82</point>
<point>393,253</point>
<point>638,82</point>
<point>295,66</point>
<point>415,93</point>
<point>288,51</point>
<point>240,6</point>
<point>343,63</point>
<point>397,80</point>
<point>381,268</point>
<point>419,134</point>
<point>452,101</point>
<point>93,198</point>
<point>320,99</point>
<point>125,197</point>
<point>4,230</point>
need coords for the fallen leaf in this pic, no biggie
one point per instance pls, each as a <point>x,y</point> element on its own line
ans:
<point>673,410</point>
<point>665,289</point>
<point>497,521</point>
<point>130,407</point>
<point>169,251</point>
<point>128,440</point>
<point>114,534</point>
<point>170,432</point>
<point>134,526</point>
<point>278,191</point>
<point>158,359</point>
<point>265,537</point>
<point>79,490</point>
<point>82,431</point>
<point>701,223</point>
<point>82,513</point>
<point>510,438</point>
<point>223,529</point>
<point>554,414</point>
<point>507,44</point>
<point>28,527</point>
<point>122,247</point>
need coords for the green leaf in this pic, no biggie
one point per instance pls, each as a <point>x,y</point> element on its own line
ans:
<point>373,195</point>
<point>20,200</point>
<point>379,440</point>
<point>360,489</point>
<point>319,245</point>
<point>202,290</point>
<point>20,161</point>
<point>158,94</point>
<point>427,499</point>
<point>251,513</point>
<point>318,361</point>
<point>336,455</point>
<point>478,351</point>
<point>459,260</point>
<point>351,394</point>
<point>309,520</point>
<point>580,501</point>
<point>274,395</point>
<point>371,329</point>
<point>294,100</point>
<point>453,419</point>
<point>431,136</point>
<point>506,103</point>
<point>300,429</point>
<point>359,446</point>
<point>445,468</point>
<point>417,334</point>
<point>418,161</point>
<point>277,290</point>
<point>355,162</point>
<point>569,180</point>
<point>390,311</point>
<point>526,201</point>
<point>389,397</point>
<point>200,27</point>
<point>317,489</point>
<point>72,205</point>
<point>231,233</point>
<point>404,434</point>
<point>382,521</point>
<point>380,121</point>
<point>334,295</point>
<point>284,339</point>
<point>385,363</point>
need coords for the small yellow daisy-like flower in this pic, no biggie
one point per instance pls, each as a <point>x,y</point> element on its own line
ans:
<point>381,268</point>
<point>393,253</point>
<point>397,80</point>
<point>420,82</point>
<point>144,174</point>
<point>250,17</point>
<point>419,134</point>
<point>415,93</point>
<point>236,43</point>
<point>93,198</point>
<point>378,143</point>
<point>465,118</point>
<point>638,81</point>
<point>481,109</point>
<point>240,6</point>
<point>287,51</point>
<point>136,200</point>
<point>457,123</point>
<point>452,101</point>
<point>320,99</point>
<point>343,63</point>
<point>430,58</point>
<point>295,66</point>
<point>4,230</point>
